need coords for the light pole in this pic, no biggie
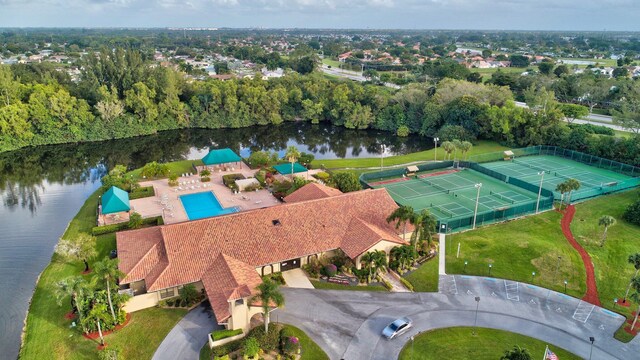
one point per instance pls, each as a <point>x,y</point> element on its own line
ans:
<point>412,339</point>
<point>475,322</point>
<point>490,267</point>
<point>533,275</point>
<point>565,286</point>
<point>592,339</point>
<point>465,267</point>
<point>435,149</point>
<point>384,149</point>
<point>475,213</point>
<point>541,173</point>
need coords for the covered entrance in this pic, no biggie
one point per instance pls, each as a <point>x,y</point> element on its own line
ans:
<point>290,264</point>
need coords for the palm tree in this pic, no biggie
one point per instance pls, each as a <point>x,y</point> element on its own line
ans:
<point>367,259</point>
<point>424,224</point>
<point>606,221</point>
<point>517,353</point>
<point>268,292</point>
<point>573,185</point>
<point>379,261</point>
<point>457,145</point>
<point>401,215</point>
<point>635,260</point>
<point>292,155</point>
<point>98,313</point>
<point>465,147</point>
<point>77,288</point>
<point>562,188</point>
<point>108,271</point>
<point>636,298</point>
<point>448,148</point>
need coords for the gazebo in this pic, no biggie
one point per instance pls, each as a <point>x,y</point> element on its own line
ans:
<point>114,200</point>
<point>221,156</point>
<point>285,169</point>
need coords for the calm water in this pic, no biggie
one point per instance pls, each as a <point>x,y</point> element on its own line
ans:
<point>43,188</point>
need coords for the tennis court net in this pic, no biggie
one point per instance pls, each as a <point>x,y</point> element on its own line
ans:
<point>502,197</point>
<point>531,166</point>
<point>443,210</point>
<point>441,188</point>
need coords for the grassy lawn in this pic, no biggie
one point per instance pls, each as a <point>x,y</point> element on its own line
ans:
<point>486,73</point>
<point>331,62</point>
<point>489,344</point>
<point>516,249</point>
<point>425,279</point>
<point>478,148</point>
<point>599,62</point>
<point>176,167</point>
<point>310,350</point>
<point>50,336</point>
<point>613,272</point>
<point>330,286</point>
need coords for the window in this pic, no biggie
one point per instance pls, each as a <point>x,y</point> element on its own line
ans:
<point>167,293</point>
<point>240,302</point>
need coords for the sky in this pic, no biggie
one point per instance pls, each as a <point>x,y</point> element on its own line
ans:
<point>610,15</point>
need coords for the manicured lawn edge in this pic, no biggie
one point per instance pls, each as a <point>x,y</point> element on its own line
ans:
<point>321,285</point>
<point>425,278</point>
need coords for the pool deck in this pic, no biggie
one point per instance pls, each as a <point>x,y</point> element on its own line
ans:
<point>166,202</point>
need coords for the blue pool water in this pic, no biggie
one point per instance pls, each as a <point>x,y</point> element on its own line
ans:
<point>203,205</point>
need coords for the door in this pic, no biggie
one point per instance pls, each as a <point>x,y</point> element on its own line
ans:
<point>290,264</point>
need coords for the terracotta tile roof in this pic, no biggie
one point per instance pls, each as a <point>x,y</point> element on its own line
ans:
<point>188,252</point>
<point>228,279</point>
<point>312,191</point>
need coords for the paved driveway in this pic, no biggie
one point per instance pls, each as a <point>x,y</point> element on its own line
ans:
<point>347,324</point>
<point>296,278</point>
<point>185,340</point>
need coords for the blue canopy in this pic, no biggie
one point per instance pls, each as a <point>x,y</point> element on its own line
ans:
<point>285,169</point>
<point>220,156</point>
<point>115,200</point>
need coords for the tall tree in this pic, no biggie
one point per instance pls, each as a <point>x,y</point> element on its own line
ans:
<point>292,155</point>
<point>100,315</point>
<point>77,288</point>
<point>82,248</point>
<point>636,298</point>
<point>107,271</point>
<point>401,216</point>
<point>268,293</point>
<point>573,185</point>
<point>424,226</point>
<point>605,221</point>
<point>635,261</point>
<point>562,188</point>
<point>448,147</point>
<point>465,146</point>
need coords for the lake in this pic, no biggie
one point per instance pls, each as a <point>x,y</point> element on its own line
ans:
<point>42,189</point>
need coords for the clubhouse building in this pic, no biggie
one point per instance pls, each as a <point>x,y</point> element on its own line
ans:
<point>227,255</point>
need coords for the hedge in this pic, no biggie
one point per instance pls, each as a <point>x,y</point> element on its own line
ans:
<point>108,229</point>
<point>406,283</point>
<point>142,192</point>
<point>223,334</point>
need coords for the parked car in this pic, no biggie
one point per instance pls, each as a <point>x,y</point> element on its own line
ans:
<point>397,327</point>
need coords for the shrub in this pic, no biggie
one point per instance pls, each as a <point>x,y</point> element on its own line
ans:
<point>386,284</point>
<point>262,159</point>
<point>205,179</point>
<point>225,357</point>
<point>229,180</point>
<point>188,294</point>
<point>252,187</point>
<point>268,341</point>
<point>406,283</point>
<point>403,131</point>
<point>223,334</point>
<point>227,348</point>
<point>135,220</point>
<point>632,214</point>
<point>141,192</point>
<point>173,180</point>
<point>324,176</point>
<point>275,277</point>
<point>291,345</point>
<point>347,182</point>
<point>154,170</point>
<point>108,229</point>
<point>109,354</point>
<point>205,173</point>
<point>330,270</point>
<point>251,347</point>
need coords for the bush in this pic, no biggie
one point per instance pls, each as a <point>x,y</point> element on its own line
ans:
<point>108,229</point>
<point>173,180</point>
<point>632,214</point>
<point>262,159</point>
<point>403,131</point>
<point>347,182</point>
<point>188,294</point>
<point>324,176</point>
<point>205,179</point>
<point>593,129</point>
<point>229,180</point>
<point>227,348</point>
<point>406,283</point>
<point>386,284</point>
<point>275,277</point>
<point>154,170</point>
<point>225,357</point>
<point>268,341</point>
<point>141,192</point>
<point>223,334</point>
<point>135,220</point>
<point>330,270</point>
<point>251,347</point>
<point>252,187</point>
<point>291,345</point>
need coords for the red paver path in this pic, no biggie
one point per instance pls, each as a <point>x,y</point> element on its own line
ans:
<point>592,291</point>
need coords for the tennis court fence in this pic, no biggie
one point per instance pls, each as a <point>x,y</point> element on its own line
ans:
<point>397,172</point>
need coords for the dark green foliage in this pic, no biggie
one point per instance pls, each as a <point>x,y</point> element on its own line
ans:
<point>135,220</point>
<point>329,270</point>
<point>346,182</point>
<point>306,158</point>
<point>275,277</point>
<point>141,192</point>
<point>519,61</point>
<point>251,347</point>
<point>517,353</point>
<point>632,214</point>
<point>154,170</point>
<point>268,341</point>
<point>229,180</point>
<point>223,334</point>
<point>262,159</point>
<point>107,229</point>
<point>593,129</point>
<point>454,132</point>
<point>189,295</point>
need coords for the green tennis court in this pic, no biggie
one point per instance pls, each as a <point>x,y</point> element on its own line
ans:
<point>593,180</point>
<point>451,196</point>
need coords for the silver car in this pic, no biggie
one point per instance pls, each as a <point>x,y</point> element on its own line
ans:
<point>397,327</point>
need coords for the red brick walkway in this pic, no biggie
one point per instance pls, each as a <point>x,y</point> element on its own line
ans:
<point>592,291</point>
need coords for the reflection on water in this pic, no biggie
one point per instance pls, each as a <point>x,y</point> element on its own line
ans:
<point>42,188</point>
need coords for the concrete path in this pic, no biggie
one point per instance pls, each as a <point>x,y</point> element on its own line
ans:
<point>185,340</point>
<point>396,285</point>
<point>296,278</point>
<point>347,324</point>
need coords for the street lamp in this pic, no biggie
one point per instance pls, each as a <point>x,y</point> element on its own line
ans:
<point>533,274</point>
<point>475,213</point>
<point>565,286</point>
<point>490,266</point>
<point>465,266</point>
<point>435,149</point>
<point>384,150</point>
<point>592,339</point>
<point>412,339</point>
<point>475,322</point>
<point>541,173</point>
<point>615,301</point>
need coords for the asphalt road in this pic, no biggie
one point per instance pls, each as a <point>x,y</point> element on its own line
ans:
<point>347,325</point>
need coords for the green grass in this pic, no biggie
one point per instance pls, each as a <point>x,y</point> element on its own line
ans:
<point>310,350</point>
<point>48,333</point>
<point>460,343</point>
<point>205,352</point>
<point>330,286</point>
<point>613,272</point>
<point>516,249</point>
<point>331,62</point>
<point>428,155</point>
<point>176,167</point>
<point>486,73</point>
<point>425,279</point>
<point>599,62</point>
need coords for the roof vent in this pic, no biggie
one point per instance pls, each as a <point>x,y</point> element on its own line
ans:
<point>276,222</point>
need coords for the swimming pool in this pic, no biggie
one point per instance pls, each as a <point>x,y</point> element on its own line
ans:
<point>203,205</point>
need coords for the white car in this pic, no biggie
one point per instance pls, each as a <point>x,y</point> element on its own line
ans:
<point>397,327</point>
